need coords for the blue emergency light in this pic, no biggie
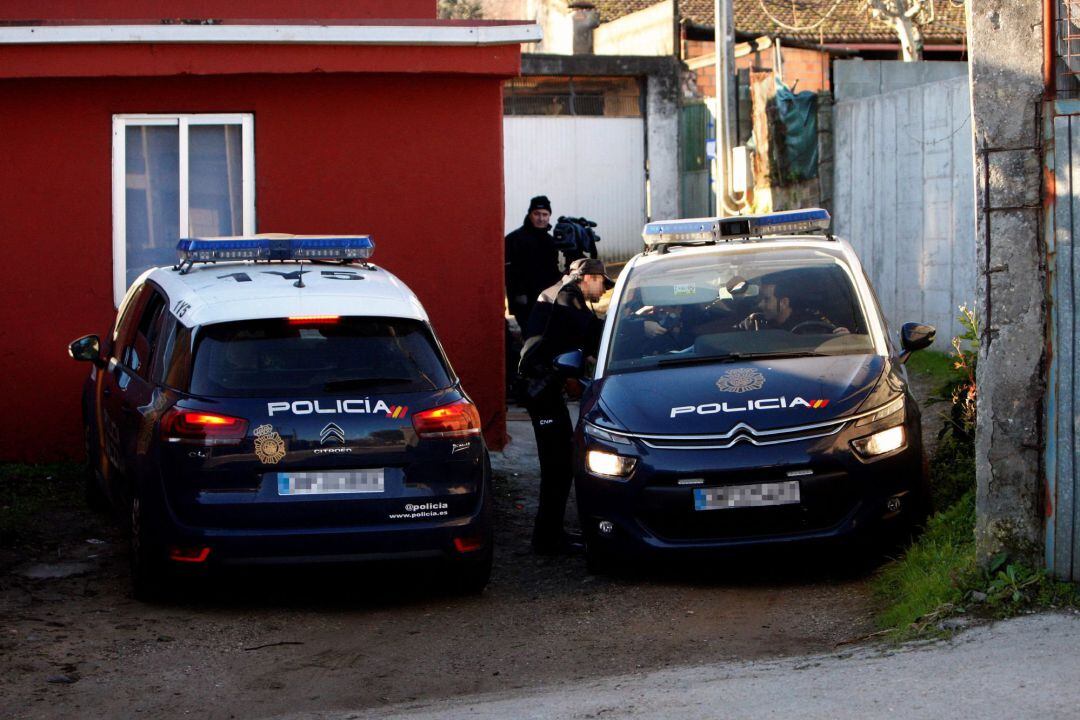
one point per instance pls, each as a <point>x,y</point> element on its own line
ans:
<point>273,247</point>
<point>705,230</point>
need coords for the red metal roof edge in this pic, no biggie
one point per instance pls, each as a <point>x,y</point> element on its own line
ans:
<point>316,22</point>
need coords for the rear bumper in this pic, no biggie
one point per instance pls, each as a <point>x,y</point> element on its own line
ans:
<point>388,541</point>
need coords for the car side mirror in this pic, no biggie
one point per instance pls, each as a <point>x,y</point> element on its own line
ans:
<point>571,364</point>
<point>915,336</point>
<point>87,349</point>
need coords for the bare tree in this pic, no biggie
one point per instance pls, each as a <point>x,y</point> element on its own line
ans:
<point>460,9</point>
<point>906,18</point>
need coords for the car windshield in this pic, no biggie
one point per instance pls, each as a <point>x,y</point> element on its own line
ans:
<point>757,303</point>
<point>283,357</point>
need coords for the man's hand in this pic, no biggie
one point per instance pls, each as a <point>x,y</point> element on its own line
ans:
<point>654,329</point>
<point>753,321</point>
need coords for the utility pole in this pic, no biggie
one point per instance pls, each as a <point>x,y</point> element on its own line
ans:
<point>724,39</point>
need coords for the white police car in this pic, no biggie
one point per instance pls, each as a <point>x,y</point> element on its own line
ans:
<point>278,399</point>
<point>746,393</point>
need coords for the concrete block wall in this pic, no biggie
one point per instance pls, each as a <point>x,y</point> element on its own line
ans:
<point>855,79</point>
<point>903,198</point>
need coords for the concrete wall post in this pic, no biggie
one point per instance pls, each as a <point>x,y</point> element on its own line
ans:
<point>1005,45</point>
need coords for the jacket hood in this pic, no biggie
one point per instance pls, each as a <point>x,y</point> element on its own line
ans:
<point>713,399</point>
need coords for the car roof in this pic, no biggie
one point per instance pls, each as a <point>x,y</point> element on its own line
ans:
<point>830,243</point>
<point>218,292</point>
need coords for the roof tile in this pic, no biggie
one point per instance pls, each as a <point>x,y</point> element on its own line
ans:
<point>849,22</point>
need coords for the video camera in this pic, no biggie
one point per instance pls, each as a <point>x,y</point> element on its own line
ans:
<point>575,238</point>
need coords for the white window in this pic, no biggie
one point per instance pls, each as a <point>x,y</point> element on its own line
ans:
<point>177,176</point>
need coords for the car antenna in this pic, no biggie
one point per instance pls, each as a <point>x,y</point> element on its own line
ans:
<point>300,278</point>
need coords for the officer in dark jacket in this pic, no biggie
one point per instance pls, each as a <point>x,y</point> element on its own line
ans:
<point>532,261</point>
<point>560,323</point>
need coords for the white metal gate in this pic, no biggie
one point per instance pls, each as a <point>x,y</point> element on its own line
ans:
<point>587,166</point>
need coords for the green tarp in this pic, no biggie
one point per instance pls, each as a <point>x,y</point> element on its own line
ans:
<point>797,113</point>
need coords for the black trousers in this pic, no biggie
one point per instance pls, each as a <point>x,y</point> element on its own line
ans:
<point>554,446</point>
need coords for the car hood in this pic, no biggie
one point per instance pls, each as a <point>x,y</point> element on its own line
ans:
<point>714,398</point>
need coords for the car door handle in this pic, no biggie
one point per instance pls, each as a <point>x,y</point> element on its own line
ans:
<point>106,392</point>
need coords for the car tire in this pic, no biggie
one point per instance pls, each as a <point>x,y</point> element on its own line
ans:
<point>149,574</point>
<point>471,575</point>
<point>93,490</point>
<point>602,557</point>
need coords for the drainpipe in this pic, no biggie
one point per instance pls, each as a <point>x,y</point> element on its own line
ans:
<point>1048,49</point>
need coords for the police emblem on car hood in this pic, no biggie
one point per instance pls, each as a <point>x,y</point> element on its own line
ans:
<point>740,380</point>
<point>268,445</point>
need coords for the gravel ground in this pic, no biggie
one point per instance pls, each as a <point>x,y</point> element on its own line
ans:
<point>74,644</point>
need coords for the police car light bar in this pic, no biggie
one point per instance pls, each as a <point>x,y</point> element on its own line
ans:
<point>273,247</point>
<point>703,230</point>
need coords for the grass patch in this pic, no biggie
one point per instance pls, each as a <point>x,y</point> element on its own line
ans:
<point>32,495</point>
<point>934,572</point>
<point>935,366</point>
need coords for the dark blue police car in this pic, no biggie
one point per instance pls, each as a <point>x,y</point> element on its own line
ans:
<point>247,411</point>
<point>746,393</point>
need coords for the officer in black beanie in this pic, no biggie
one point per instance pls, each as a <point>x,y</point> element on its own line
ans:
<point>532,262</point>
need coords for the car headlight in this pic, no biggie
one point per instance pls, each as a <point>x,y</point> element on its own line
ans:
<point>610,464</point>
<point>606,435</point>
<point>883,412</point>
<point>880,442</point>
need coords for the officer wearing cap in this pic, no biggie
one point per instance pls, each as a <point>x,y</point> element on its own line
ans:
<point>532,260</point>
<point>561,322</point>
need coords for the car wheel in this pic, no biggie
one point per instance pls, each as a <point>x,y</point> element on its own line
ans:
<point>93,491</point>
<point>471,575</point>
<point>602,557</point>
<point>149,575</point>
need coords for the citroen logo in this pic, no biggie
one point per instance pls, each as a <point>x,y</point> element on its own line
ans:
<point>332,432</point>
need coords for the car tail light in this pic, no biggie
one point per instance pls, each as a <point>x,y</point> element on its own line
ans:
<point>189,554</point>
<point>468,544</point>
<point>458,419</point>
<point>180,424</point>
<point>314,320</point>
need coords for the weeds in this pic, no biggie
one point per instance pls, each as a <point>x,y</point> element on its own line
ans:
<point>30,497</point>
<point>938,576</point>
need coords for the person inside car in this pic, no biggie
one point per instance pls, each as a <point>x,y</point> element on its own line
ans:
<point>780,308</point>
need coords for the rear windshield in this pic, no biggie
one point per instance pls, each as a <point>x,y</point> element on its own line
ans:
<point>757,303</point>
<point>283,357</point>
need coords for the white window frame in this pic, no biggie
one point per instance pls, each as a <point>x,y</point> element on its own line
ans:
<point>246,121</point>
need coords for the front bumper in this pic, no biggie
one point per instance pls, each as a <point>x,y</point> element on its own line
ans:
<point>841,495</point>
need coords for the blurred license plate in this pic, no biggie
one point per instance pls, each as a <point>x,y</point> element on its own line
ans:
<point>744,496</point>
<point>330,482</point>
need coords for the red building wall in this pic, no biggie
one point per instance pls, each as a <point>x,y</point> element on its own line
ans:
<point>415,160</point>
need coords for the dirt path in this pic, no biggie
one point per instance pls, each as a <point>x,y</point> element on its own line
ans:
<point>267,644</point>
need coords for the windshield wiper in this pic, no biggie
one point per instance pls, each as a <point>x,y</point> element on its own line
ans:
<point>360,383</point>
<point>736,357</point>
